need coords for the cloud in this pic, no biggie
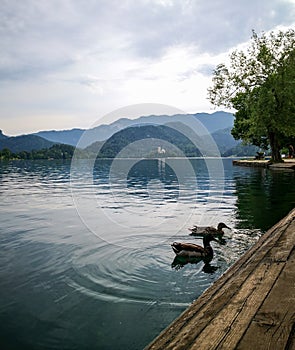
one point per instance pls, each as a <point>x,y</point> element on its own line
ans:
<point>90,57</point>
<point>212,26</point>
<point>41,35</point>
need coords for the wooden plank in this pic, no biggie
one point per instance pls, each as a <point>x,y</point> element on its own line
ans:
<point>291,340</point>
<point>269,250</point>
<point>236,316</point>
<point>274,322</point>
<point>279,257</point>
<point>229,326</point>
<point>200,313</point>
<point>193,324</point>
<point>272,325</point>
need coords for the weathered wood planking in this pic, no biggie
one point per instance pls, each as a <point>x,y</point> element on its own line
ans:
<point>252,306</point>
<point>272,325</point>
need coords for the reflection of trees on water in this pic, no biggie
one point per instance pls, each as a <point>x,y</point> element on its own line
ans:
<point>263,197</point>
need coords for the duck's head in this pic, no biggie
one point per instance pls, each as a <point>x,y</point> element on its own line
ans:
<point>222,225</point>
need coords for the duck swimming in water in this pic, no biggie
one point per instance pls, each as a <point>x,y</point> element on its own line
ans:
<point>191,250</point>
<point>202,231</point>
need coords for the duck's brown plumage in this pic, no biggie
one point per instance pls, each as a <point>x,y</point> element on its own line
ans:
<point>194,250</point>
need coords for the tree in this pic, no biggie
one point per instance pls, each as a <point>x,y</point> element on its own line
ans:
<point>6,154</point>
<point>260,84</point>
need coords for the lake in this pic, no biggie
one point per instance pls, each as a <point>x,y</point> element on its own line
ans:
<point>86,261</point>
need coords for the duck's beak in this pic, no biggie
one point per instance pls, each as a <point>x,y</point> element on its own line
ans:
<point>227,227</point>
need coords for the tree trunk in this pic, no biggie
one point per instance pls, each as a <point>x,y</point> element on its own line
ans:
<point>275,147</point>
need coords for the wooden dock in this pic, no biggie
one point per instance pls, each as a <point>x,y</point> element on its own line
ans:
<point>252,163</point>
<point>252,306</point>
<point>287,165</point>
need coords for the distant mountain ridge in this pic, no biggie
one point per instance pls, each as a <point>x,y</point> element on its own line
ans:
<point>146,141</point>
<point>224,140</point>
<point>212,122</point>
<point>124,131</point>
<point>69,137</point>
<point>24,143</point>
<point>2,137</point>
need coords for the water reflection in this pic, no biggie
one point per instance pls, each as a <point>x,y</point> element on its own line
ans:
<point>263,197</point>
<point>153,178</point>
<point>180,261</point>
<point>76,291</point>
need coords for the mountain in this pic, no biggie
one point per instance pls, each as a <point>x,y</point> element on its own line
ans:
<point>229,147</point>
<point>216,121</point>
<point>145,141</point>
<point>24,143</point>
<point>173,139</point>
<point>69,137</point>
<point>212,122</point>
<point>2,137</point>
<point>241,150</point>
<point>224,140</point>
<point>167,132</point>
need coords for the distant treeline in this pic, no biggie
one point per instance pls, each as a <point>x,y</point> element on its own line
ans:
<point>58,151</point>
<point>62,151</point>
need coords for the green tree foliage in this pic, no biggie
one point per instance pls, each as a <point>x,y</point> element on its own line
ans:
<point>128,136</point>
<point>58,151</point>
<point>5,154</point>
<point>259,84</point>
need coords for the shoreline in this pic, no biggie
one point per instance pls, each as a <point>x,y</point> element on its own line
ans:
<point>287,165</point>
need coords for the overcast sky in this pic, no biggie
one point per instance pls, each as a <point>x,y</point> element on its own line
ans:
<point>66,63</point>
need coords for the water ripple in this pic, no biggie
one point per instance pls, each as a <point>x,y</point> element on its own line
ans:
<point>117,274</point>
<point>76,289</point>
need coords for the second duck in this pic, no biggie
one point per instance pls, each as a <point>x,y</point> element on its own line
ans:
<point>201,230</point>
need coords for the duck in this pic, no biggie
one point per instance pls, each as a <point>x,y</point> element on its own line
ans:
<point>201,230</point>
<point>191,250</point>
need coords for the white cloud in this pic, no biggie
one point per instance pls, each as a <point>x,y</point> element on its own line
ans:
<point>86,58</point>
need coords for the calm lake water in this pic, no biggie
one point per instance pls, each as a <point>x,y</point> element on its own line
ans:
<point>85,257</point>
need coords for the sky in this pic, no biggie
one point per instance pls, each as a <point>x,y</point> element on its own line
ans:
<point>68,63</point>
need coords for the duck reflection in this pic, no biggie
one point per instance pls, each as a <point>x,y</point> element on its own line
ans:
<point>180,261</point>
